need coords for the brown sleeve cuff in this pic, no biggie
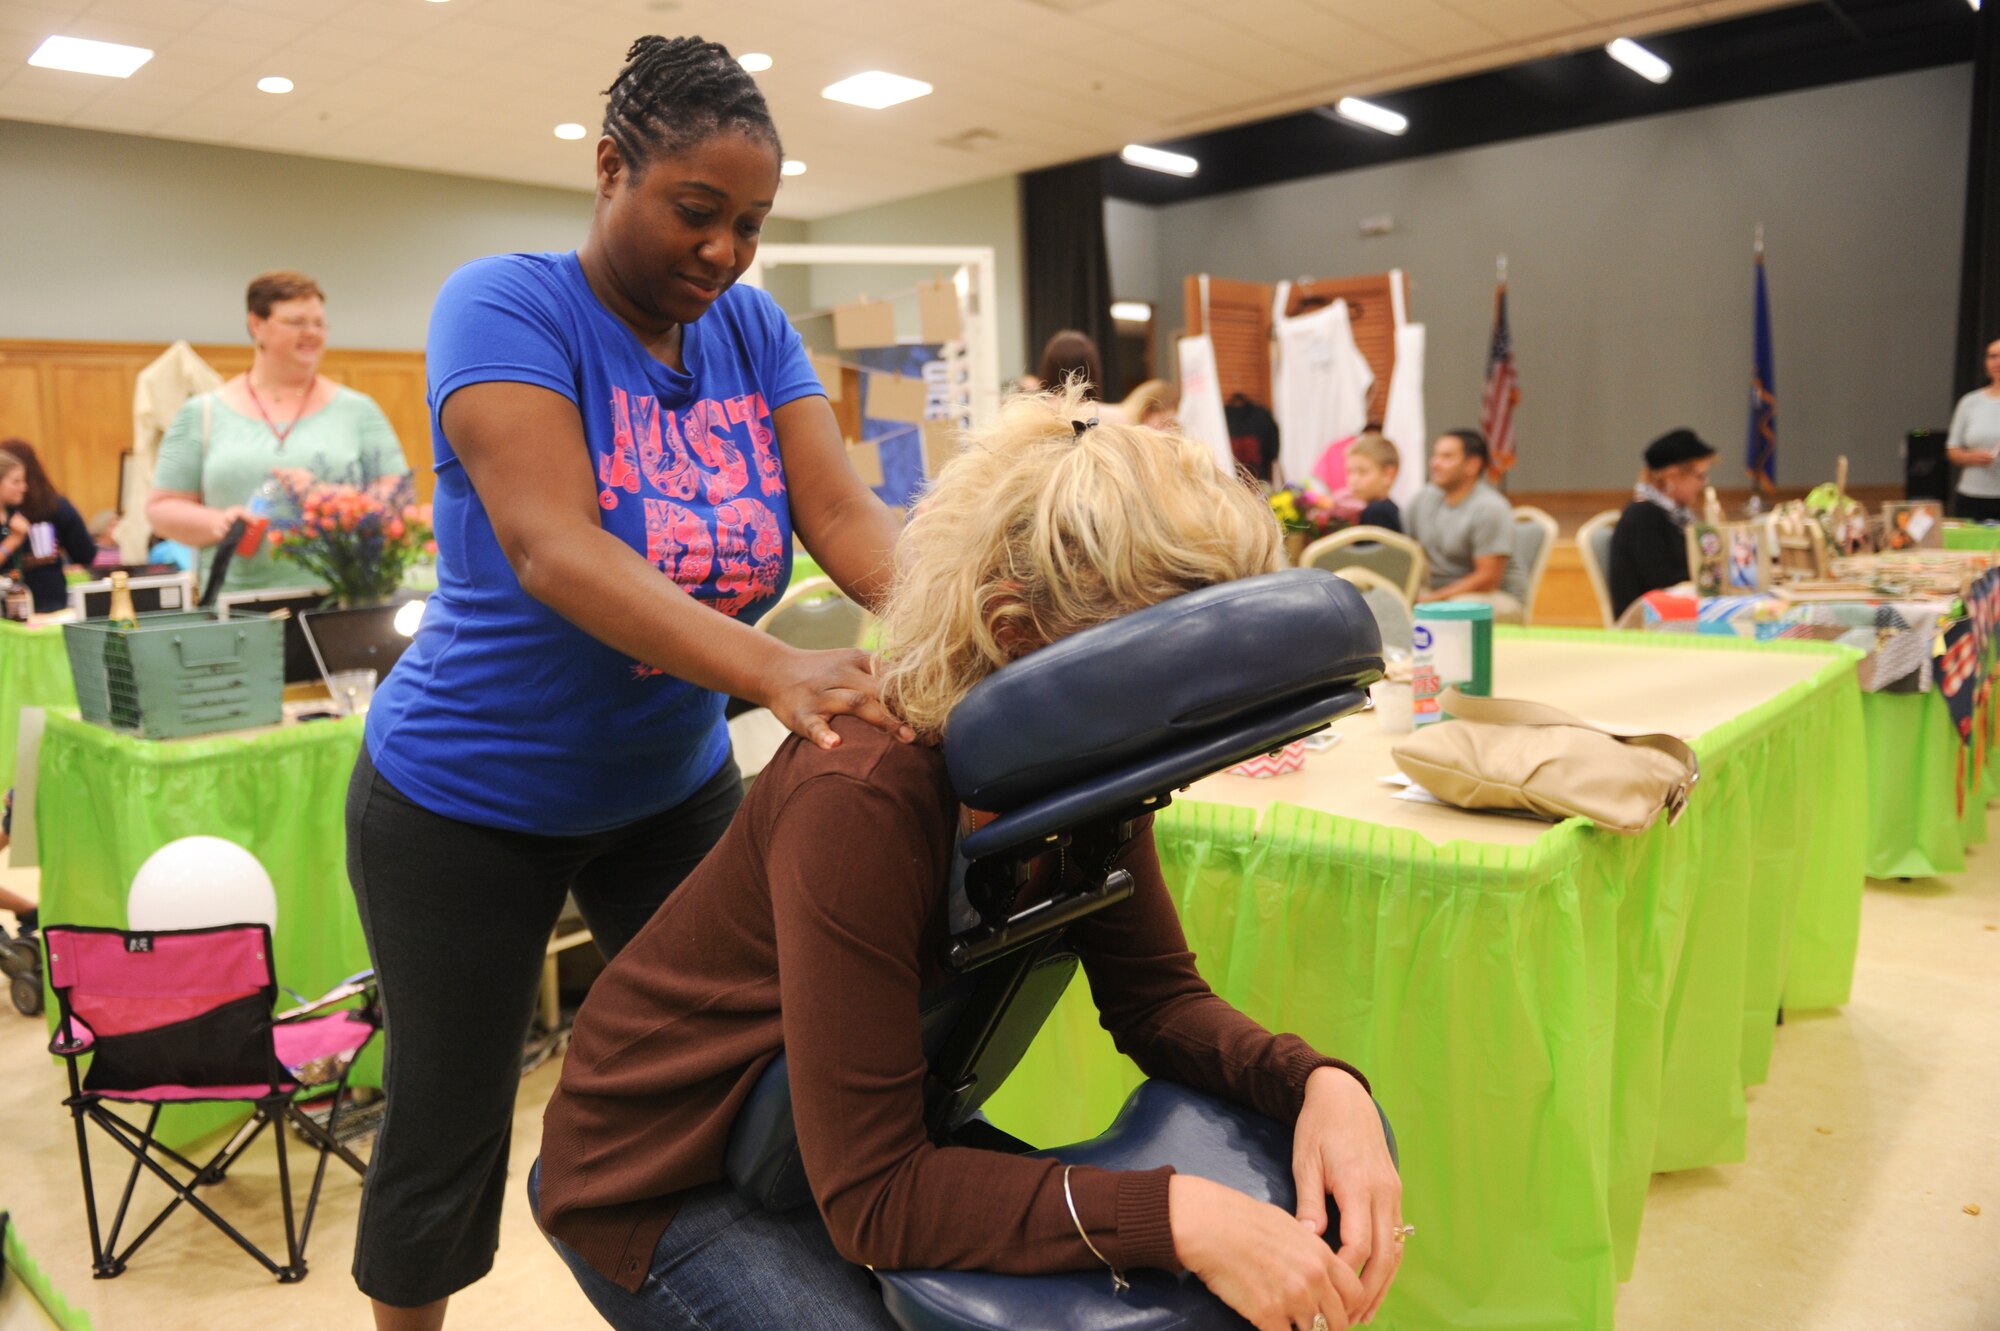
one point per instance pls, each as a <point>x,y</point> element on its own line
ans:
<point>1305,1061</point>
<point>1145,1234</point>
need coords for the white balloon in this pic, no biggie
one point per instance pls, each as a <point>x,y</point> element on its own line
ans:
<point>198,882</point>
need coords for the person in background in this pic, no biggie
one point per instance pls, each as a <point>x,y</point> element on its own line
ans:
<point>626,439</point>
<point>1068,353</point>
<point>38,528</point>
<point>104,531</point>
<point>1974,444</point>
<point>820,919</point>
<point>1649,544</point>
<point>1372,464</point>
<point>1152,404</point>
<point>1467,529</point>
<point>280,413</point>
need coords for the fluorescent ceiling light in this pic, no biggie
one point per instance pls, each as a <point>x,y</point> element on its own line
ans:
<point>875,89</point>
<point>1371,115</point>
<point>1132,311</point>
<point>80,56</point>
<point>569,129</point>
<point>274,83</point>
<point>1639,60</point>
<point>754,61</point>
<point>792,167</point>
<point>1157,159</point>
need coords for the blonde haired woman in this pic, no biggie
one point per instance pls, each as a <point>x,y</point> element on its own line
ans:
<point>1152,404</point>
<point>820,916</point>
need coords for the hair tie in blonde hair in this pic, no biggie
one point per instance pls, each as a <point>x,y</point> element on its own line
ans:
<point>1081,426</point>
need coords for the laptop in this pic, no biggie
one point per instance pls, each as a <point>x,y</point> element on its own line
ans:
<point>300,668</point>
<point>369,637</point>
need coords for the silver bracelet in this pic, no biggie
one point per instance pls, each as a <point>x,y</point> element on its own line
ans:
<point>1119,1284</point>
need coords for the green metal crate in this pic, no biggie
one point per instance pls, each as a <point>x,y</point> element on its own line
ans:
<point>178,673</point>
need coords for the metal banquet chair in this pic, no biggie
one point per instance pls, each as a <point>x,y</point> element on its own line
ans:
<point>179,1016</point>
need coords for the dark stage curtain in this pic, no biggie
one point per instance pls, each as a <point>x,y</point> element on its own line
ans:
<point>1068,266</point>
<point>1979,281</point>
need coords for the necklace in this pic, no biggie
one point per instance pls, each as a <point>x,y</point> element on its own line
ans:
<point>291,424</point>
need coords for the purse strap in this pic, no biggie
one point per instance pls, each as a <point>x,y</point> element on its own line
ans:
<point>1512,712</point>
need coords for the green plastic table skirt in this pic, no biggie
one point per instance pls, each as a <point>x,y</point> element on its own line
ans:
<point>1928,803</point>
<point>1546,1026</point>
<point>106,801</point>
<point>34,672</point>
<point>1971,536</point>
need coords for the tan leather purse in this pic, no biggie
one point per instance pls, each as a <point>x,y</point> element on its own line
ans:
<point>1523,756</point>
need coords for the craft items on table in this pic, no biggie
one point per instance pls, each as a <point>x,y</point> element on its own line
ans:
<point>1913,526</point>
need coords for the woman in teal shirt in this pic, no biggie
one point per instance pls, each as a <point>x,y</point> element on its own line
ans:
<point>278,415</point>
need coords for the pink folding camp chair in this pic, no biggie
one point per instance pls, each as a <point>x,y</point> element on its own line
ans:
<point>185,1015</point>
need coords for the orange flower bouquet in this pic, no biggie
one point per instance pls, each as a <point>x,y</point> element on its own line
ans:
<point>359,540</point>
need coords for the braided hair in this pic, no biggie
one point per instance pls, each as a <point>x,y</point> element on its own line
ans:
<point>675,92</point>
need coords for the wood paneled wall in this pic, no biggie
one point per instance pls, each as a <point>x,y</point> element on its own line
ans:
<point>73,402</point>
<point>1239,322</point>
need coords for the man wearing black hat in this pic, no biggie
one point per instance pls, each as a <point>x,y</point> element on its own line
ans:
<point>1649,544</point>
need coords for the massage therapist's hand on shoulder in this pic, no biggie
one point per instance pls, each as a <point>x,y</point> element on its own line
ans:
<point>545,514</point>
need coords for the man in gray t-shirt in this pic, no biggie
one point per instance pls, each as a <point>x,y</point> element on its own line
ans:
<point>1466,528</point>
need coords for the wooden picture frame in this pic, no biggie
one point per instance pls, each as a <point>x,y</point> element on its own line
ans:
<point>1912,525</point>
<point>1727,559</point>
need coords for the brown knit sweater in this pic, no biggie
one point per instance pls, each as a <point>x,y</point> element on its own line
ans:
<point>814,925</point>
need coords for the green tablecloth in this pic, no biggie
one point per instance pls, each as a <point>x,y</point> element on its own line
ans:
<point>1919,772</point>
<point>1546,1025</point>
<point>1971,536</point>
<point>106,801</point>
<point>34,672</point>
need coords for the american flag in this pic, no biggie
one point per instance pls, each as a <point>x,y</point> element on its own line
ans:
<point>1503,389</point>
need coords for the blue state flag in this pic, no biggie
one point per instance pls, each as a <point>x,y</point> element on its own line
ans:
<point>1761,453</point>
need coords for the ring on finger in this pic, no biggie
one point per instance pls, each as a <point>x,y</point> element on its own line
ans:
<point>1319,1322</point>
<point>1401,1232</point>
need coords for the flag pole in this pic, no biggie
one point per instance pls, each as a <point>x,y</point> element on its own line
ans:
<point>1762,399</point>
<point>1500,275</point>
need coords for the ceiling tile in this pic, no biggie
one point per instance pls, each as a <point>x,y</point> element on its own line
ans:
<point>474,86</point>
<point>46,19</point>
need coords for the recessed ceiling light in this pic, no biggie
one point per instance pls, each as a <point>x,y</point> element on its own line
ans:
<point>754,61</point>
<point>1371,115</point>
<point>274,83</point>
<point>1639,60</point>
<point>569,129</point>
<point>875,89</point>
<point>792,167</point>
<point>1131,311</point>
<point>1156,159</point>
<point>79,55</point>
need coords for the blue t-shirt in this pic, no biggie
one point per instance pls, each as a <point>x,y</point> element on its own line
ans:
<point>503,713</point>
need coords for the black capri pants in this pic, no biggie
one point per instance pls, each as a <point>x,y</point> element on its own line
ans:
<point>457,919</point>
<point>1975,508</point>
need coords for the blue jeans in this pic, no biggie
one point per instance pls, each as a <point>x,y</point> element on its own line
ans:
<point>724,1263</point>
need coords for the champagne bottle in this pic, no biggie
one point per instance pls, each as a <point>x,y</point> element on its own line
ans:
<point>123,616</point>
